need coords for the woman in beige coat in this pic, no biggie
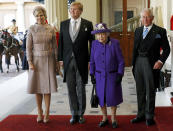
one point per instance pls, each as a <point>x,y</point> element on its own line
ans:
<point>41,49</point>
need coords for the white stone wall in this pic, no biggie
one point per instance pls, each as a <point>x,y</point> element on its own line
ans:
<point>21,10</point>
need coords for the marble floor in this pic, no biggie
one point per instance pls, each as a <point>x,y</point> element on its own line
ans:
<point>15,100</point>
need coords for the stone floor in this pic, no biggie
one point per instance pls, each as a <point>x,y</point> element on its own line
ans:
<point>15,100</point>
<point>59,103</point>
<point>12,70</point>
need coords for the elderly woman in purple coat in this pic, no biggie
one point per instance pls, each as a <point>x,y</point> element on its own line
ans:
<point>106,70</point>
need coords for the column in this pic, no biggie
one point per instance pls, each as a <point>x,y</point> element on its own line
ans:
<point>20,21</point>
<point>91,7</point>
<point>171,40</point>
<point>146,3</point>
<point>56,10</point>
<point>155,10</point>
<point>160,16</point>
<point>105,12</point>
<point>166,8</point>
<point>169,90</point>
<point>167,13</point>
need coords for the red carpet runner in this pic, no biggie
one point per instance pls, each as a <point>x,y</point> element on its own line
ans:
<point>164,120</point>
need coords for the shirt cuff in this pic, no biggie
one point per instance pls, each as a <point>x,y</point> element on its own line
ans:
<point>160,61</point>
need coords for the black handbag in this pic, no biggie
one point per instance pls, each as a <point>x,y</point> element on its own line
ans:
<point>94,99</point>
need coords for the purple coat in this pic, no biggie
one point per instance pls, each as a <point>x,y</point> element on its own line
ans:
<point>105,63</point>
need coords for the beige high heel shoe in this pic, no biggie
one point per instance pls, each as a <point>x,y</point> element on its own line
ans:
<point>46,119</point>
<point>40,116</point>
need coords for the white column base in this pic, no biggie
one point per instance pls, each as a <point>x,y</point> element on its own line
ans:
<point>168,91</point>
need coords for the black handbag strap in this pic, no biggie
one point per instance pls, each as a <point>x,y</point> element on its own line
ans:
<point>94,89</point>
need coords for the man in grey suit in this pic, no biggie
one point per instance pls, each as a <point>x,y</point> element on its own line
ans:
<point>147,62</point>
<point>73,55</point>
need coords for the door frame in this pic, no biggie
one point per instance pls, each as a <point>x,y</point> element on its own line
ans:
<point>101,16</point>
<point>126,38</point>
<point>124,13</point>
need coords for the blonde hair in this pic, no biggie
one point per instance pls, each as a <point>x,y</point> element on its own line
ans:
<point>38,9</point>
<point>80,6</point>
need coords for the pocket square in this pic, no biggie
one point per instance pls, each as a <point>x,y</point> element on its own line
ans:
<point>158,36</point>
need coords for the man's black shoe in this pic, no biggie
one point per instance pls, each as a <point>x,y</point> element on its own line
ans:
<point>103,123</point>
<point>150,122</point>
<point>138,119</point>
<point>74,120</point>
<point>81,120</point>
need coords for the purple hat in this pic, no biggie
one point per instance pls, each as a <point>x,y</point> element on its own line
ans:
<point>100,28</point>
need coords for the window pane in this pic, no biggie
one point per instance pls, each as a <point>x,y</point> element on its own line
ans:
<point>112,14</point>
<point>134,8</point>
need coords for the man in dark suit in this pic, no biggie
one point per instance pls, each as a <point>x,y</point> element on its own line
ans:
<point>75,33</point>
<point>147,62</point>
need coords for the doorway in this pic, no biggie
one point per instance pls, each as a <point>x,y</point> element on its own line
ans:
<point>123,17</point>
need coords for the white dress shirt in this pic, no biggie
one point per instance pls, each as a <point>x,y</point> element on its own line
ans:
<point>72,22</point>
<point>148,27</point>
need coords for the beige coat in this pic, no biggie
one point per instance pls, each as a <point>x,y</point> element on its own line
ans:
<point>41,49</point>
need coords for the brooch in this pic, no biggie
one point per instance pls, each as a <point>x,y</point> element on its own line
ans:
<point>109,43</point>
<point>86,29</point>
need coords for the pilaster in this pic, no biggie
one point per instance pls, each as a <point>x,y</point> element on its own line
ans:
<point>57,10</point>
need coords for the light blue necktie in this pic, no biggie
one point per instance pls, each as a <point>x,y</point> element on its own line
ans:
<point>145,33</point>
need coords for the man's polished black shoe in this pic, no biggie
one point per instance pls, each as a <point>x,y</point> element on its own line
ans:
<point>81,120</point>
<point>138,119</point>
<point>103,123</point>
<point>114,124</point>
<point>74,120</point>
<point>150,122</point>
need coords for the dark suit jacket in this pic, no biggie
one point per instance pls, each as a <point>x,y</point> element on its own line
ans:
<point>80,47</point>
<point>156,39</point>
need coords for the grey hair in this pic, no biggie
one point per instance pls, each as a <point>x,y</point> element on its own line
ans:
<point>40,8</point>
<point>147,10</point>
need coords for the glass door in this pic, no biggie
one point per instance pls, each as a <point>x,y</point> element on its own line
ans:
<point>122,17</point>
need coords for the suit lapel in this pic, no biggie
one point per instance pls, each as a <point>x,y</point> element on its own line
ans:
<point>67,29</point>
<point>81,28</point>
<point>149,39</point>
<point>151,34</point>
<point>139,36</point>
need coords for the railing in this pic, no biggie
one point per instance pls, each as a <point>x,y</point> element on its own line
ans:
<point>132,24</point>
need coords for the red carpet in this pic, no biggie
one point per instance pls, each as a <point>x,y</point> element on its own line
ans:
<point>171,100</point>
<point>164,120</point>
<point>61,123</point>
<point>164,116</point>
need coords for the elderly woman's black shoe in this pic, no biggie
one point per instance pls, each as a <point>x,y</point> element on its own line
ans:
<point>114,124</point>
<point>103,123</point>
